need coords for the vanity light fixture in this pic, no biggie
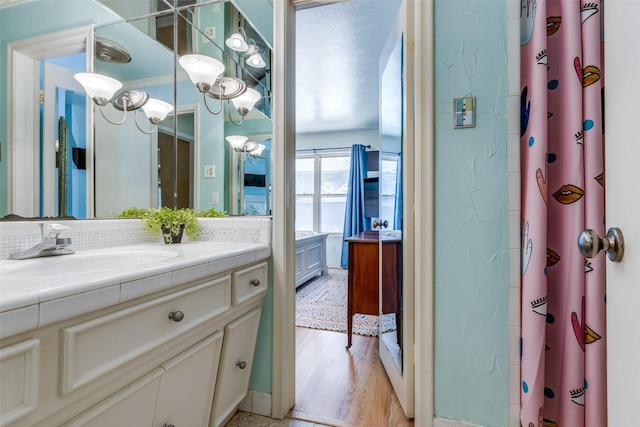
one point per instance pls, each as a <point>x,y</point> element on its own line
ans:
<point>256,61</point>
<point>238,41</point>
<point>248,149</point>
<point>101,89</point>
<point>205,72</point>
<point>245,103</point>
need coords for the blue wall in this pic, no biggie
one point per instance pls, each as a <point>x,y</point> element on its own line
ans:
<point>471,235</point>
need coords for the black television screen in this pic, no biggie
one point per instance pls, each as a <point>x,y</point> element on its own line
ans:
<point>254,180</point>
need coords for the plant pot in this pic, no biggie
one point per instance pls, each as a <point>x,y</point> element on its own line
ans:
<point>172,237</point>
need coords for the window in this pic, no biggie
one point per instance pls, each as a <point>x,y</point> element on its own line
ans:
<point>321,191</point>
<point>322,182</point>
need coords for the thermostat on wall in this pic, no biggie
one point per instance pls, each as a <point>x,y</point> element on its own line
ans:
<point>464,112</point>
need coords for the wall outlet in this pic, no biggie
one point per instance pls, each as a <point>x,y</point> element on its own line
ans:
<point>215,197</point>
<point>209,33</point>
<point>210,171</point>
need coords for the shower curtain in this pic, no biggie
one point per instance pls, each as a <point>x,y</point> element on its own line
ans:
<point>563,345</point>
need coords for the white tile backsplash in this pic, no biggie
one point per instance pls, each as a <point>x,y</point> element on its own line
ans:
<point>16,236</point>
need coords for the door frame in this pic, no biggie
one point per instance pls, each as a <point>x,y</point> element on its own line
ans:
<point>283,236</point>
<point>23,93</point>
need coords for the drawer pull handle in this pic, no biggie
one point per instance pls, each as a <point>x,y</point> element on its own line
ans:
<point>167,425</point>
<point>255,282</point>
<point>241,364</point>
<point>176,316</point>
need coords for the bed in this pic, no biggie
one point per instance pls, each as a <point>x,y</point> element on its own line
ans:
<point>311,255</point>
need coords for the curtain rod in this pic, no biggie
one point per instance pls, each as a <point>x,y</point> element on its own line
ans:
<point>327,149</point>
<point>314,150</point>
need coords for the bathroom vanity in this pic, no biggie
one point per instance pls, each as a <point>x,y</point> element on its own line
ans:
<point>140,335</point>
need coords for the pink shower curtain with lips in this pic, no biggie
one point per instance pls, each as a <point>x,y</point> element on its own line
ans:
<point>563,343</point>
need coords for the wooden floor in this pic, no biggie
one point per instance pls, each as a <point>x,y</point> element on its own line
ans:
<point>341,387</point>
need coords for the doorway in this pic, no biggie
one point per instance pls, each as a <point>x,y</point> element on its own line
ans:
<point>175,171</point>
<point>27,172</point>
<point>320,355</point>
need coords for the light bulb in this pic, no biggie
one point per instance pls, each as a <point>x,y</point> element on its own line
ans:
<point>237,42</point>
<point>256,61</point>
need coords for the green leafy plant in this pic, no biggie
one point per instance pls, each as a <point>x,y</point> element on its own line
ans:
<point>132,212</point>
<point>211,213</point>
<point>165,221</point>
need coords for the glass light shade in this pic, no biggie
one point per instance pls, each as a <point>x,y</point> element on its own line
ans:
<point>201,68</point>
<point>237,42</point>
<point>156,110</point>
<point>246,101</point>
<point>237,141</point>
<point>258,151</point>
<point>256,61</point>
<point>98,85</point>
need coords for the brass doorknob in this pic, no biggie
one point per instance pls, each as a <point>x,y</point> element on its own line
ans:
<point>590,244</point>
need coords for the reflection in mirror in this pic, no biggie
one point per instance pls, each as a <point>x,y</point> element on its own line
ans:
<point>250,179</point>
<point>391,118</point>
<point>137,49</point>
<point>126,158</point>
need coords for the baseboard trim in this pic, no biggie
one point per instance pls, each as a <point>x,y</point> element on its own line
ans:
<point>443,422</point>
<point>318,419</point>
<point>257,403</point>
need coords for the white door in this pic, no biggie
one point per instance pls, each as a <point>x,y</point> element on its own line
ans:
<point>396,265</point>
<point>622,91</point>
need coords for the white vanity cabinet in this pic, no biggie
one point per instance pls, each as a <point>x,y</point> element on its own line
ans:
<point>19,380</point>
<point>177,393</point>
<point>161,359</point>
<point>235,367</point>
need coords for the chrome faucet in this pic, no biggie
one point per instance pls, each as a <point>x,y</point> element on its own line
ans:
<point>51,244</point>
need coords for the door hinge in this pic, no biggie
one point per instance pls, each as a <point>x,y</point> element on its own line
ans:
<point>41,97</point>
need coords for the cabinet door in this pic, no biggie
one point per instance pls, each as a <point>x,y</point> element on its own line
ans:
<point>186,388</point>
<point>235,366</point>
<point>132,406</point>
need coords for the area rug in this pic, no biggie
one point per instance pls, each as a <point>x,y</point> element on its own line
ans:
<point>321,303</point>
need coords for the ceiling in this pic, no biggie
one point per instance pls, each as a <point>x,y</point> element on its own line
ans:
<point>337,54</point>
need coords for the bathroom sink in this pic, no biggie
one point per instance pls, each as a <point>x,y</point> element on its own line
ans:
<point>87,262</point>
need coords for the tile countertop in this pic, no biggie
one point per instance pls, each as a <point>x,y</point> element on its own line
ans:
<point>41,291</point>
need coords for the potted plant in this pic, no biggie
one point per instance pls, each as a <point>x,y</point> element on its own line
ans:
<point>169,222</point>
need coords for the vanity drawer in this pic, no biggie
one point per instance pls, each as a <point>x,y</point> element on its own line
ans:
<point>249,282</point>
<point>19,371</point>
<point>97,347</point>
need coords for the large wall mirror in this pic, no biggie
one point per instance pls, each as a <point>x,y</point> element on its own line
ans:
<point>183,160</point>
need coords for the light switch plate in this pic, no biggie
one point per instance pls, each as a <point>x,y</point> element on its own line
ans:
<point>209,34</point>
<point>464,112</point>
<point>209,171</point>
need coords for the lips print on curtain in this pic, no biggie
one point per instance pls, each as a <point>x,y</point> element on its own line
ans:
<point>563,348</point>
